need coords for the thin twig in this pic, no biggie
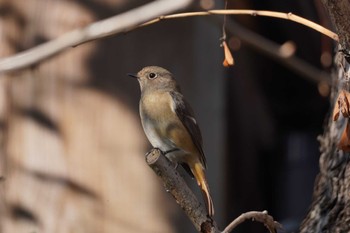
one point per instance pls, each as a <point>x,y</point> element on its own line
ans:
<point>223,38</point>
<point>262,217</point>
<point>274,14</point>
<point>271,49</point>
<point>228,60</point>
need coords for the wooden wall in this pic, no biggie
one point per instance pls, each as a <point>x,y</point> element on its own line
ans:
<point>71,155</point>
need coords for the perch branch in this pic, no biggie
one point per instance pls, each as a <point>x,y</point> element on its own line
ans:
<point>262,217</point>
<point>129,21</point>
<point>177,187</point>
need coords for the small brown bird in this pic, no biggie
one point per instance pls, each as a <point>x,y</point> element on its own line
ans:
<point>170,126</point>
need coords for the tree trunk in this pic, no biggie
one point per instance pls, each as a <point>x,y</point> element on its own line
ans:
<point>330,209</point>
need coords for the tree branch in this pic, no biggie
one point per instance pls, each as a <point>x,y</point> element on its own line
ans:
<point>128,21</point>
<point>100,29</point>
<point>177,187</point>
<point>274,14</point>
<point>262,217</point>
<point>272,50</point>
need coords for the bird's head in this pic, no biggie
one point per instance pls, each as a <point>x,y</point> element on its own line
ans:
<point>155,78</point>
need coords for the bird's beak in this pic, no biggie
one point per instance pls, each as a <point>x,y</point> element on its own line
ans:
<point>133,75</point>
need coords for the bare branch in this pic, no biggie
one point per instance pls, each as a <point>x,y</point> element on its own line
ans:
<point>174,184</point>
<point>128,21</point>
<point>177,187</point>
<point>274,14</point>
<point>100,29</point>
<point>262,217</point>
<point>272,50</point>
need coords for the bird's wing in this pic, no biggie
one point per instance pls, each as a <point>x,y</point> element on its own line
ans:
<point>185,113</point>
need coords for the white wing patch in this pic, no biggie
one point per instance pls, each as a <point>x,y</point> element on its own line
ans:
<point>173,105</point>
<point>173,108</point>
<point>192,119</point>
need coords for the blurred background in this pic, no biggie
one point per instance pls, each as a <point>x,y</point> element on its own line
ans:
<point>71,143</point>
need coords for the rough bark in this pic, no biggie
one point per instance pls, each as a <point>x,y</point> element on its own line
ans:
<point>330,209</point>
<point>339,11</point>
<point>177,187</point>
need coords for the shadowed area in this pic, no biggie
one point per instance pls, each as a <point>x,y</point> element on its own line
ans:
<point>40,118</point>
<point>67,183</point>
<point>21,213</point>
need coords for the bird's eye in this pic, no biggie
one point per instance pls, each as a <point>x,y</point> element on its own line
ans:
<point>152,75</point>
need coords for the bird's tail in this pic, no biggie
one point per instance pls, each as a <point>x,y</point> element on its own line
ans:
<point>198,172</point>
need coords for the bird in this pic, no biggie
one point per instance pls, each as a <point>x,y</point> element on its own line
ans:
<point>169,124</point>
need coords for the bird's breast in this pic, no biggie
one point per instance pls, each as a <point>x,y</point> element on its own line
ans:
<point>157,106</point>
<point>157,117</point>
<point>163,127</point>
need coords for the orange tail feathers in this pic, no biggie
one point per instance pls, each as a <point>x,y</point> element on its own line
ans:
<point>198,172</point>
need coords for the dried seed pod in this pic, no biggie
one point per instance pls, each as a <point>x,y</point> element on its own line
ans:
<point>228,61</point>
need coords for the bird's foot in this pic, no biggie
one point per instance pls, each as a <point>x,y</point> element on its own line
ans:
<point>169,151</point>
